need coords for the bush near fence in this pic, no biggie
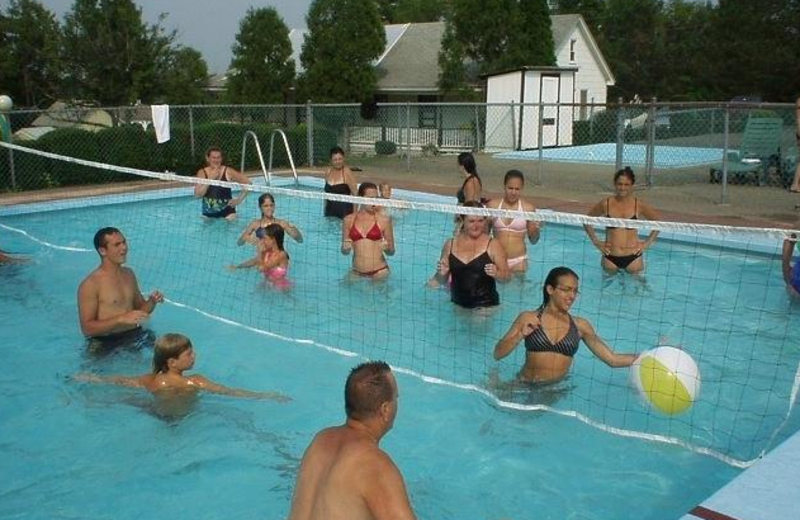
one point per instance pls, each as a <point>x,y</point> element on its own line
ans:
<point>132,146</point>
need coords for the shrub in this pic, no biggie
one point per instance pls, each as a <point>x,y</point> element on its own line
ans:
<point>385,148</point>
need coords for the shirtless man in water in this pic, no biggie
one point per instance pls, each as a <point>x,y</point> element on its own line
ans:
<point>109,299</point>
<point>344,474</point>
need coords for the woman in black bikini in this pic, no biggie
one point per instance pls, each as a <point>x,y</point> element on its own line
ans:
<point>471,262</point>
<point>546,360</point>
<point>218,201</point>
<point>622,249</point>
<point>471,188</point>
<point>339,179</point>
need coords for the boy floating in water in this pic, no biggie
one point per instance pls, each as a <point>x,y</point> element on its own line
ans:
<point>174,354</point>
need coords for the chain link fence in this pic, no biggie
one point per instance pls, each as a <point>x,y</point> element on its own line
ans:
<point>666,143</point>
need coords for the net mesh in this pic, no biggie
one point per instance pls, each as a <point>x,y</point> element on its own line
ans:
<point>716,292</point>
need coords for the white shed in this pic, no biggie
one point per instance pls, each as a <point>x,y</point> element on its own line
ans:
<point>529,87</point>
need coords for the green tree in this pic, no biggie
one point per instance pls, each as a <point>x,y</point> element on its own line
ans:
<point>494,35</point>
<point>262,69</point>
<point>113,57</point>
<point>344,38</point>
<point>416,11</point>
<point>634,46</point>
<point>31,43</point>
<point>591,10</point>
<point>386,10</point>
<point>686,73</point>
<point>187,77</point>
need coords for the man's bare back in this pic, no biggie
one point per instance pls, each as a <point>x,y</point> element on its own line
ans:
<point>346,476</point>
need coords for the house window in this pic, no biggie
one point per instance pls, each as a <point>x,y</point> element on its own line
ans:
<point>572,44</point>
<point>428,114</point>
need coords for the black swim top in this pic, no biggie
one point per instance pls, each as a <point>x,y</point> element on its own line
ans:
<point>471,286</point>
<point>334,208</point>
<point>216,199</point>
<point>460,195</point>
<point>537,341</point>
<point>633,217</point>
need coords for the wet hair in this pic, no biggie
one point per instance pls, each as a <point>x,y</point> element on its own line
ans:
<point>366,389</point>
<point>214,148</point>
<point>100,236</point>
<point>275,231</point>
<point>336,150</point>
<point>467,160</point>
<point>169,346</point>
<point>265,196</point>
<point>626,172</point>
<point>364,186</point>
<point>513,174</point>
<point>469,204</point>
<point>552,280</point>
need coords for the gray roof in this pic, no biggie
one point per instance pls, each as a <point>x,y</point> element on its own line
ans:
<point>562,26</point>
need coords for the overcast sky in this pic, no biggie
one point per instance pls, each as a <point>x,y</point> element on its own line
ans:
<point>207,25</point>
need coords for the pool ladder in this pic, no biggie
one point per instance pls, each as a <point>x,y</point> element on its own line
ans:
<point>268,171</point>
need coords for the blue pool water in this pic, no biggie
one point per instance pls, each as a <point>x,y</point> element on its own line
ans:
<point>83,451</point>
<point>666,157</point>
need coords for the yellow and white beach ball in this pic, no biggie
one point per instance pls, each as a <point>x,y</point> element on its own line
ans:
<point>667,378</point>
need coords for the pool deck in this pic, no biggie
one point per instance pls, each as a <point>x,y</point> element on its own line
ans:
<point>766,491</point>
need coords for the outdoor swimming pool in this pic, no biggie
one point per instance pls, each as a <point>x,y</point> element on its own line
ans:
<point>85,451</point>
<point>666,157</point>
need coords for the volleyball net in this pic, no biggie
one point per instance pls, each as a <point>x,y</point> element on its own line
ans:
<point>715,292</point>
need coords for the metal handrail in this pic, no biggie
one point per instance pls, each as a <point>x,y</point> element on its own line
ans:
<point>288,153</point>
<point>268,171</point>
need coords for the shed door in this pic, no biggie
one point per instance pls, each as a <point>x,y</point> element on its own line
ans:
<point>550,96</point>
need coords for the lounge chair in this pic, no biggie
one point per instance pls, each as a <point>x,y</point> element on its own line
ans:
<point>760,150</point>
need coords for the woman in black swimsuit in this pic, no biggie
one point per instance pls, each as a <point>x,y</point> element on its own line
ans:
<point>472,261</point>
<point>339,179</point>
<point>622,249</point>
<point>471,188</point>
<point>218,201</point>
<point>547,360</point>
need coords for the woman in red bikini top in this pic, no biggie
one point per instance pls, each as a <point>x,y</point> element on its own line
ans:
<point>369,234</point>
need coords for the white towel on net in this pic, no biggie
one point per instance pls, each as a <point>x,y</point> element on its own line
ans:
<point>161,122</point>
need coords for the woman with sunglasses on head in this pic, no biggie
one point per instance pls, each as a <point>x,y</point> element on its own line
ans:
<point>552,335</point>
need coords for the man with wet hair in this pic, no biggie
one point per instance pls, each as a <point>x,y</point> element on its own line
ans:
<point>344,475</point>
<point>110,303</point>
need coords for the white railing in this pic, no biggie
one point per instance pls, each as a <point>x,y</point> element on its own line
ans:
<point>448,139</point>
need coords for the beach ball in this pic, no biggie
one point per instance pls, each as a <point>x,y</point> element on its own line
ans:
<point>667,378</point>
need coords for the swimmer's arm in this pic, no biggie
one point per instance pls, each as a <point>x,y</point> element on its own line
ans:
<point>131,382</point>
<point>347,244</point>
<point>350,180</point>
<point>385,491</point>
<point>786,260</point>
<point>534,226</point>
<point>247,233</point>
<point>292,231</point>
<point>388,236</point>
<point>309,473</point>
<point>443,266</point>
<point>246,265</point>
<point>498,255</point>
<point>600,349</point>
<point>596,211</point>
<point>649,213</point>
<point>200,189</point>
<point>210,386</point>
<point>509,342</point>
<point>241,179</point>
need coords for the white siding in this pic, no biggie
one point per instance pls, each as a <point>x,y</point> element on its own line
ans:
<point>590,75</point>
<point>500,122</point>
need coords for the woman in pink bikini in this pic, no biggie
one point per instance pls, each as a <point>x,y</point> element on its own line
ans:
<point>369,234</point>
<point>511,233</point>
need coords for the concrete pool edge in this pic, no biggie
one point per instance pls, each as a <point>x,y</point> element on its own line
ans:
<point>767,490</point>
